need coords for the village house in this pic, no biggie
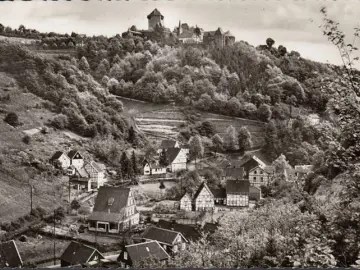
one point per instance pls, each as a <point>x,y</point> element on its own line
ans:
<point>96,173</point>
<point>114,210</point>
<point>237,193</point>
<point>153,168</point>
<point>219,195</point>
<point>60,159</point>
<point>136,253</point>
<point>9,255</point>
<point>77,254</point>
<point>188,35</point>
<point>257,170</point>
<point>218,38</point>
<point>170,240</point>
<point>254,193</point>
<point>81,179</point>
<point>204,199</point>
<point>186,203</point>
<point>191,233</point>
<point>76,159</point>
<point>177,159</point>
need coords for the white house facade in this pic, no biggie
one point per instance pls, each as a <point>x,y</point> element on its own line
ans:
<point>204,199</point>
<point>186,203</point>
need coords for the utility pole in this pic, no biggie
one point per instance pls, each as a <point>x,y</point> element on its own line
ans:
<point>69,194</point>
<point>54,241</point>
<point>31,199</point>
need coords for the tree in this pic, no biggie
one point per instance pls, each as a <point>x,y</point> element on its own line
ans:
<point>206,129</point>
<point>270,42</point>
<point>244,139</point>
<point>163,160</point>
<point>196,148</point>
<point>264,112</point>
<point>282,50</point>
<point>75,205</point>
<point>84,65</point>
<point>131,135</point>
<point>218,143</point>
<point>134,163</point>
<point>230,140</point>
<point>124,163</point>
<point>12,119</point>
<point>292,102</point>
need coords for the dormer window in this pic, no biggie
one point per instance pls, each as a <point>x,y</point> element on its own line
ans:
<point>110,201</point>
<point>125,255</point>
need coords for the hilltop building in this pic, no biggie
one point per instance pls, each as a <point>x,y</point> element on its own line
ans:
<point>183,32</point>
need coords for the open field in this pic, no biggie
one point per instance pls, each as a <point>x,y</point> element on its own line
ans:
<point>18,40</point>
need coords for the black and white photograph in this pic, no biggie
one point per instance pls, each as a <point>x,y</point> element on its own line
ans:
<point>180,134</point>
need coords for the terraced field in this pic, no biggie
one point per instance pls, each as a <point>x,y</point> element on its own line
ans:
<point>159,122</point>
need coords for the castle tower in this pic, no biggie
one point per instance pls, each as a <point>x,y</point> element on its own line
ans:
<point>155,18</point>
<point>219,38</point>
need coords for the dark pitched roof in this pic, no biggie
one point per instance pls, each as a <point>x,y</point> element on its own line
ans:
<point>209,33</point>
<point>165,144</point>
<point>72,153</point>
<point>138,252</point>
<point>155,12</point>
<point>104,210</point>
<point>56,155</point>
<point>210,228</point>
<point>237,186</point>
<point>202,185</point>
<point>161,235</point>
<point>9,255</point>
<point>77,253</point>
<point>188,231</point>
<point>218,192</point>
<point>234,173</point>
<point>172,153</point>
<point>254,193</point>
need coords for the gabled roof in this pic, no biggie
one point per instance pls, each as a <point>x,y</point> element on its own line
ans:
<point>72,153</point>
<point>140,251</point>
<point>218,192</point>
<point>97,167</point>
<point>9,255</point>
<point>165,144</point>
<point>202,185</point>
<point>237,186</point>
<point>161,235</point>
<point>186,195</point>
<point>103,211</point>
<point>155,12</point>
<point>57,155</point>
<point>82,172</point>
<point>228,34</point>
<point>172,153</point>
<point>78,253</point>
<point>188,231</point>
<point>234,173</point>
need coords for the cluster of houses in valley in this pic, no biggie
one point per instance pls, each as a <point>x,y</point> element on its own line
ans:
<point>175,156</point>
<point>242,184</point>
<point>84,175</point>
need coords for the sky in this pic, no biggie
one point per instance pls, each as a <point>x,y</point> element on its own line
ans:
<point>291,23</point>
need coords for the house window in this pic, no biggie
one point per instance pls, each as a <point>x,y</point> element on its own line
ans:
<point>183,246</point>
<point>175,249</point>
<point>262,179</point>
<point>125,255</point>
<point>254,178</point>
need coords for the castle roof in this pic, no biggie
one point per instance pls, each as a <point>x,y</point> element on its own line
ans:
<point>155,12</point>
<point>219,30</point>
<point>229,34</point>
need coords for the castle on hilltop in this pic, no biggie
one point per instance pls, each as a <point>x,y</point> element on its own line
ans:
<point>183,32</point>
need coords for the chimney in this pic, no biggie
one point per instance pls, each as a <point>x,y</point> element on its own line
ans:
<point>109,210</point>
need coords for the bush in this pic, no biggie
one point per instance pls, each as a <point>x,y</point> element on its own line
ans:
<point>5,226</point>
<point>12,119</point>
<point>23,238</point>
<point>60,121</point>
<point>26,139</point>
<point>15,225</point>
